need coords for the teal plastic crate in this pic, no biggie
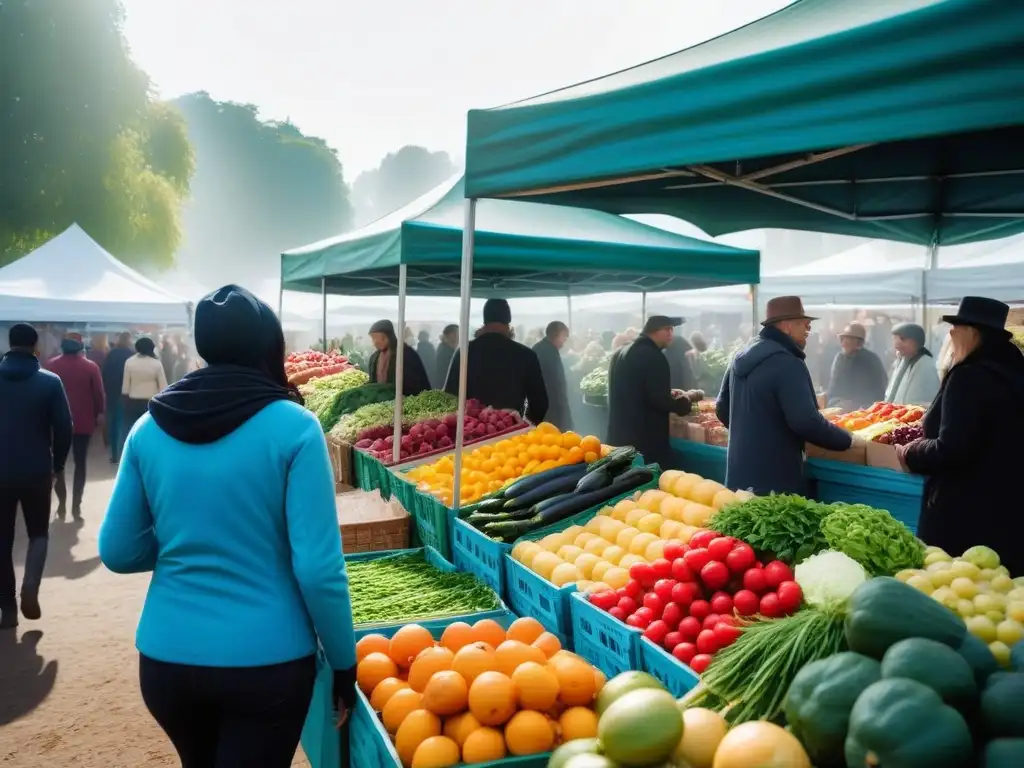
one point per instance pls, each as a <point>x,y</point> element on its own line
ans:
<point>370,474</point>
<point>321,740</point>
<point>434,558</point>
<point>603,640</point>
<point>676,676</point>
<point>898,493</point>
<point>433,520</point>
<point>708,461</point>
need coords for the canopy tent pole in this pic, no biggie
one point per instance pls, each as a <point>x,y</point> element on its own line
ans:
<point>396,449</point>
<point>568,304</point>
<point>280,292</point>
<point>465,291</point>
<point>323,307</point>
<point>643,308</point>
<point>754,309</point>
<point>931,262</point>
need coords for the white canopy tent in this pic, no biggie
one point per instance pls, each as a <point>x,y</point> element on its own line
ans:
<point>998,274</point>
<point>72,279</point>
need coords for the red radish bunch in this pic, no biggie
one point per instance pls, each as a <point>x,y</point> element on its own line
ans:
<point>692,601</point>
<point>301,367</point>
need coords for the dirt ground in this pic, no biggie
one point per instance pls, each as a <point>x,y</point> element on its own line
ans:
<point>69,693</point>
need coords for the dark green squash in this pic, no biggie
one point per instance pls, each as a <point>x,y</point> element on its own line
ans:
<point>1017,657</point>
<point>884,611</point>
<point>819,702</point>
<point>1002,706</point>
<point>974,651</point>
<point>902,723</point>
<point>1004,753</point>
<point>936,665</point>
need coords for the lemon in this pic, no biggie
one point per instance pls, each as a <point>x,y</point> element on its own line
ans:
<point>585,564</point>
<point>940,578</point>
<point>583,538</point>
<point>630,560</point>
<point>965,608</point>
<point>1002,584</point>
<point>563,574</point>
<point>596,546</point>
<point>655,550</point>
<point>937,557</point>
<point>1001,651</point>
<point>599,570</point>
<point>982,628</point>
<point>966,569</point>
<point>1015,611</point>
<point>650,523</point>
<point>634,516</point>
<point>569,553</point>
<point>616,578</point>
<point>626,536</point>
<point>984,603</point>
<point>641,542</point>
<point>1009,632</point>
<point>614,554</point>
<point>920,581</point>
<point>545,563</point>
<point>964,587</point>
<point>947,597</point>
<point>610,529</point>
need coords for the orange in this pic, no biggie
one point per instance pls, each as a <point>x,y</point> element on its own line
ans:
<point>590,457</point>
<point>512,653</point>
<point>575,455</point>
<point>407,643</point>
<point>429,661</point>
<point>590,444</point>
<point>489,631</point>
<point>473,660</point>
<point>374,669</point>
<point>436,752</point>
<point>536,686</point>
<point>599,680</point>
<point>459,727</point>
<point>484,745</point>
<point>371,644</point>
<point>415,729</point>
<point>578,723</point>
<point>492,698</point>
<point>446,693</point>
<point>456,635</point>
<point>525,630</point>
<point>398,708</point>
<point>570,439</point>
<point>548,643</point>
<point>385,689</point>
<point>576,681</point>
<point>529,733</point>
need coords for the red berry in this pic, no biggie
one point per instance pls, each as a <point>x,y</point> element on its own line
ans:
<point>710,621</point>
<point>628,604</point>
<point>706,642</point>
<point>639,622</point>
<point>741,558</point>
<point>714,575</point>
<point>685,593</point>
<point>702,538</point>
<point>696,559</point>
<point>654,603</point>
<point>725,634</point>
<point>605,600</point>
<point>700,662</point>
<point>685,652</point>
<point>663,589</point>
<point>662,568</point>
<point>777,572</point>
<point>656,632</point>
<point>634,589</point>
<point>770,605</point>
<point>643,573</point>
<point>673,550</point>
<point>720,548</point>
<point>755,580</point>
<point>618,613</point>
<point>690,627</point>
<point>646,613</point>
<point>746,602</point>
<point>699,609</point>
<point>721,603</point>
<point>672,639</point>
<point>672,615</point>
<point>680,570</point>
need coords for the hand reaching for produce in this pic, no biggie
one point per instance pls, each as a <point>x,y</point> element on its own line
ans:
<point>695,395</point>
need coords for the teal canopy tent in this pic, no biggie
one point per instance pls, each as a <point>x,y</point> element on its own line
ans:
<point>522,250</point>
<point>896,119</point>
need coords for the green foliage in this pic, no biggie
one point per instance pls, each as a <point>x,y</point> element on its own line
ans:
<point>400,178</point>
<point>82,140</point>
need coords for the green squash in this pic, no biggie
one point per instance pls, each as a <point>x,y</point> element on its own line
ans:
<point>1004,753</point>
<point>936,665</point>
<point>901,723</point>
<point>974,651</point>
<point>884,611</point>
<point>1017,657</point>
<point>819,701</point>
<point>1002,706</point>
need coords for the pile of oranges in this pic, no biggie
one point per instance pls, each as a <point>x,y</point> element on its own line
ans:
<point>489,467</point>
<point>478,694</point>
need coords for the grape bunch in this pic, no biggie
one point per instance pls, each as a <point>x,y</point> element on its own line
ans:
<point>902,435</point>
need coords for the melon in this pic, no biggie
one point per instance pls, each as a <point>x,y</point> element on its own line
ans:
<point>760,745</point>
<point>641,728</point>
<point>561,756</point>
<point>622,684</point>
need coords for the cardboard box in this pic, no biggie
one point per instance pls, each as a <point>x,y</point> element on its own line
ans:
<point>677,426</point>
<point>883,456</point>
<point>696,433</point>
<point>855,455</point>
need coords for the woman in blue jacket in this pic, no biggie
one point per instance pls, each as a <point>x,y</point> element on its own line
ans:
<point>225,494</point>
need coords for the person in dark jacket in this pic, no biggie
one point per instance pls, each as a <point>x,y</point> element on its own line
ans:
<point>768,404</point>
<point>445,351</point>
<point>501,372</point>
<point>858,376</point>
<point>640,395</point>
<point>428,356</point>
<point>35,437</point>
<point>113,380</point>
<point>970,453</point>
<point>384,360</point>
<point>680,369</point>
<point>549,353</point>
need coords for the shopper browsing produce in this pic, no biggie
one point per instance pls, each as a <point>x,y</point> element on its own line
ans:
<point>768,404</point>
<point>970,452</point>
<point>915,379</point>
<point>640,393</point>
<point>383,361</point>
<point>858,377</point>
<point>549,353</point>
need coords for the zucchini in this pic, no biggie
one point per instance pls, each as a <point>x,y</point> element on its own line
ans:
<point>559,485</point>
<point>479,519</point>
<point>884,611</point>
<point>524,484</point>
<point>618,460</point>
<point>491,503</point>
<point>597,478</point>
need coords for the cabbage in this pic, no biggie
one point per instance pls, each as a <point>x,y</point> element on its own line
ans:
<point>828,579</point>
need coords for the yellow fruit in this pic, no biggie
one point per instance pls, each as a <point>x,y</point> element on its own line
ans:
<point>600,569</point>
<point>686,532</point>
<point>938,556</point>
<point>585,564</point>
<point>704,492</point>
<point>983,603</point>
<point>529,733</point>
<point>594,524</point>
<point>641,542</point>
<point>965,569</point>
<point>598,586</point>
<point>610,529</point>
<point>1002,584</point>
<point>459,727</point>
<point>921,582</point>
<point>670,529</point>
<point>625,505</point>
<point>384,691</point>
<point>1001,651</point>
<point>414,731</point>
<point>650,500</point>
<point>947,597</point>
<point>578,723</point>
<point>942,578</point>
<point>723,497</point>
<point>545,563</point>
<point>613,554</point>
<point>697,514</point>
<point>703,731</point>
<point>965,608</point>
<point>616,578</point>
<point>906,573</point>
<point>672,508</point>
<point>668,479</point>
<point>634,516</point>
<point>569,553</point>
<point>650,523</point>
<point>626,536</point>
<point>584,538</point>
<point>399,706</point>
<point>566,573</point>
<point>536,686</point>
<point>551,542</point>
<point>1015,611</point>
<point>484,745</point>
<point>685,484</point>
<point>982,628</point>
<point>572,532</point>
<point>1009,632</point>
<point>520,549</point>
<point>628,561</point>
<point>596,546</point>
<point>655,550</point>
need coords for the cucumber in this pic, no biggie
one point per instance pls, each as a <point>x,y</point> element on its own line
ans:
<point>617,460</point>
<point>521,486</point>
<point>595,479</point>
<point>559,485</point>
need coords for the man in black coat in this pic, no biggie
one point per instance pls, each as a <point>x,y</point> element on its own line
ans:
<point>680,369</point>
<point>549,353</point>
<point>428,356</point>
<point>858,376</point>
<point>501,373</point>
<point>382,363</point>
<point>445,350</point>
<point>640,392</point>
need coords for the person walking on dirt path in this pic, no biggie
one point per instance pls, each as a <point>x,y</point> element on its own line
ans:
<point>35,437</point>
<point>248,574</point>
<point>113,380</point>
<point>83,385</point>
<point>143,378</point>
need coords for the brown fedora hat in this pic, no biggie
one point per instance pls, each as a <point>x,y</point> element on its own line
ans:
<point>785,308</point>
<point>855,331</point>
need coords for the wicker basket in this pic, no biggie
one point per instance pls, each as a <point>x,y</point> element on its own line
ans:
<point>370,524</point>
<point>341,462</point>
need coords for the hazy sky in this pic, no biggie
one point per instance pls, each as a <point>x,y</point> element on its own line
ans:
<point>373,75</point>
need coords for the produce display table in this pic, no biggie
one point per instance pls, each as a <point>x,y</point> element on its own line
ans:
<point>708,461</point>
<point>898,493</point>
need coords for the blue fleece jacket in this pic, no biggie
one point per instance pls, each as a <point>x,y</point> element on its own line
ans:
<point>242,538</point>
<point>768,403</point>
<point>35,421</point>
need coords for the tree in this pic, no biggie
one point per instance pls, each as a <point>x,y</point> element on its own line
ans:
<point>260,188</point>
<point>400,178</point>
<point>82,140</point>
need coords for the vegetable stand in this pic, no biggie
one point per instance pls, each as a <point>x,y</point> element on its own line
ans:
<point>701,459</point>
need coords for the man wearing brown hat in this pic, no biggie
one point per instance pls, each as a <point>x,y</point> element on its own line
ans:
<point>858,376</point>
<point>768,403</point>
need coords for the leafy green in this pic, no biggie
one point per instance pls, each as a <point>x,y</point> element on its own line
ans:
<point>595,383</point>
<point>872,537</point>
<point>782,526</point>
<point>828,579</point>
<point>351,400</point>
<point>321,393</point>
<point>432,404</point>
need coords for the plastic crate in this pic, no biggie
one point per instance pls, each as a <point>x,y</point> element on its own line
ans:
<point>708,461</point>
<point>676,676</point>
<point>370,474</point>
<point>898,493</point>
<point>602,639</point>
<point>321,741</point>
<point>433,520</point>
<point>434,558</point>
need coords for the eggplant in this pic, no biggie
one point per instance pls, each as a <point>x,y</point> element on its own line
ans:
<point>561,484</point>
<point>521,486</point>
<point>595,479</point>
<point>617,461</point>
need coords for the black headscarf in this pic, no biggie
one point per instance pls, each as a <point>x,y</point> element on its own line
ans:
<point>241,340</point>
<point>145,346</point>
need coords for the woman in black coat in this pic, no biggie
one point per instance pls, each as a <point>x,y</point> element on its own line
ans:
<point>970,452</point>
<point>381,365</point>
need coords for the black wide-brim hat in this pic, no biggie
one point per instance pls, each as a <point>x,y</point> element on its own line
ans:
<point>980,312</point>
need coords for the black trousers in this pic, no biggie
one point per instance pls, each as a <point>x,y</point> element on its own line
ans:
<point>80,455</point>
<point>35,500</point>
<point>230,717</point>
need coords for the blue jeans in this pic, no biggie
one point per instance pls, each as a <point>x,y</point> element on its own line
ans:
<point>115,434</point>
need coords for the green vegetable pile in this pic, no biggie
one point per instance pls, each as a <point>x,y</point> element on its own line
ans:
<point>872,537</point>
<point>351,400</point>
<point>595,383</point>
<point>432,404</point>
<point>407,587</point>
<point>321,393</point>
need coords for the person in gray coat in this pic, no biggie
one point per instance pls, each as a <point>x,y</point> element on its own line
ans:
<point>768,404</point>
<point>915,379</point>
<point>858,376</point>
<point>549,352</point>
